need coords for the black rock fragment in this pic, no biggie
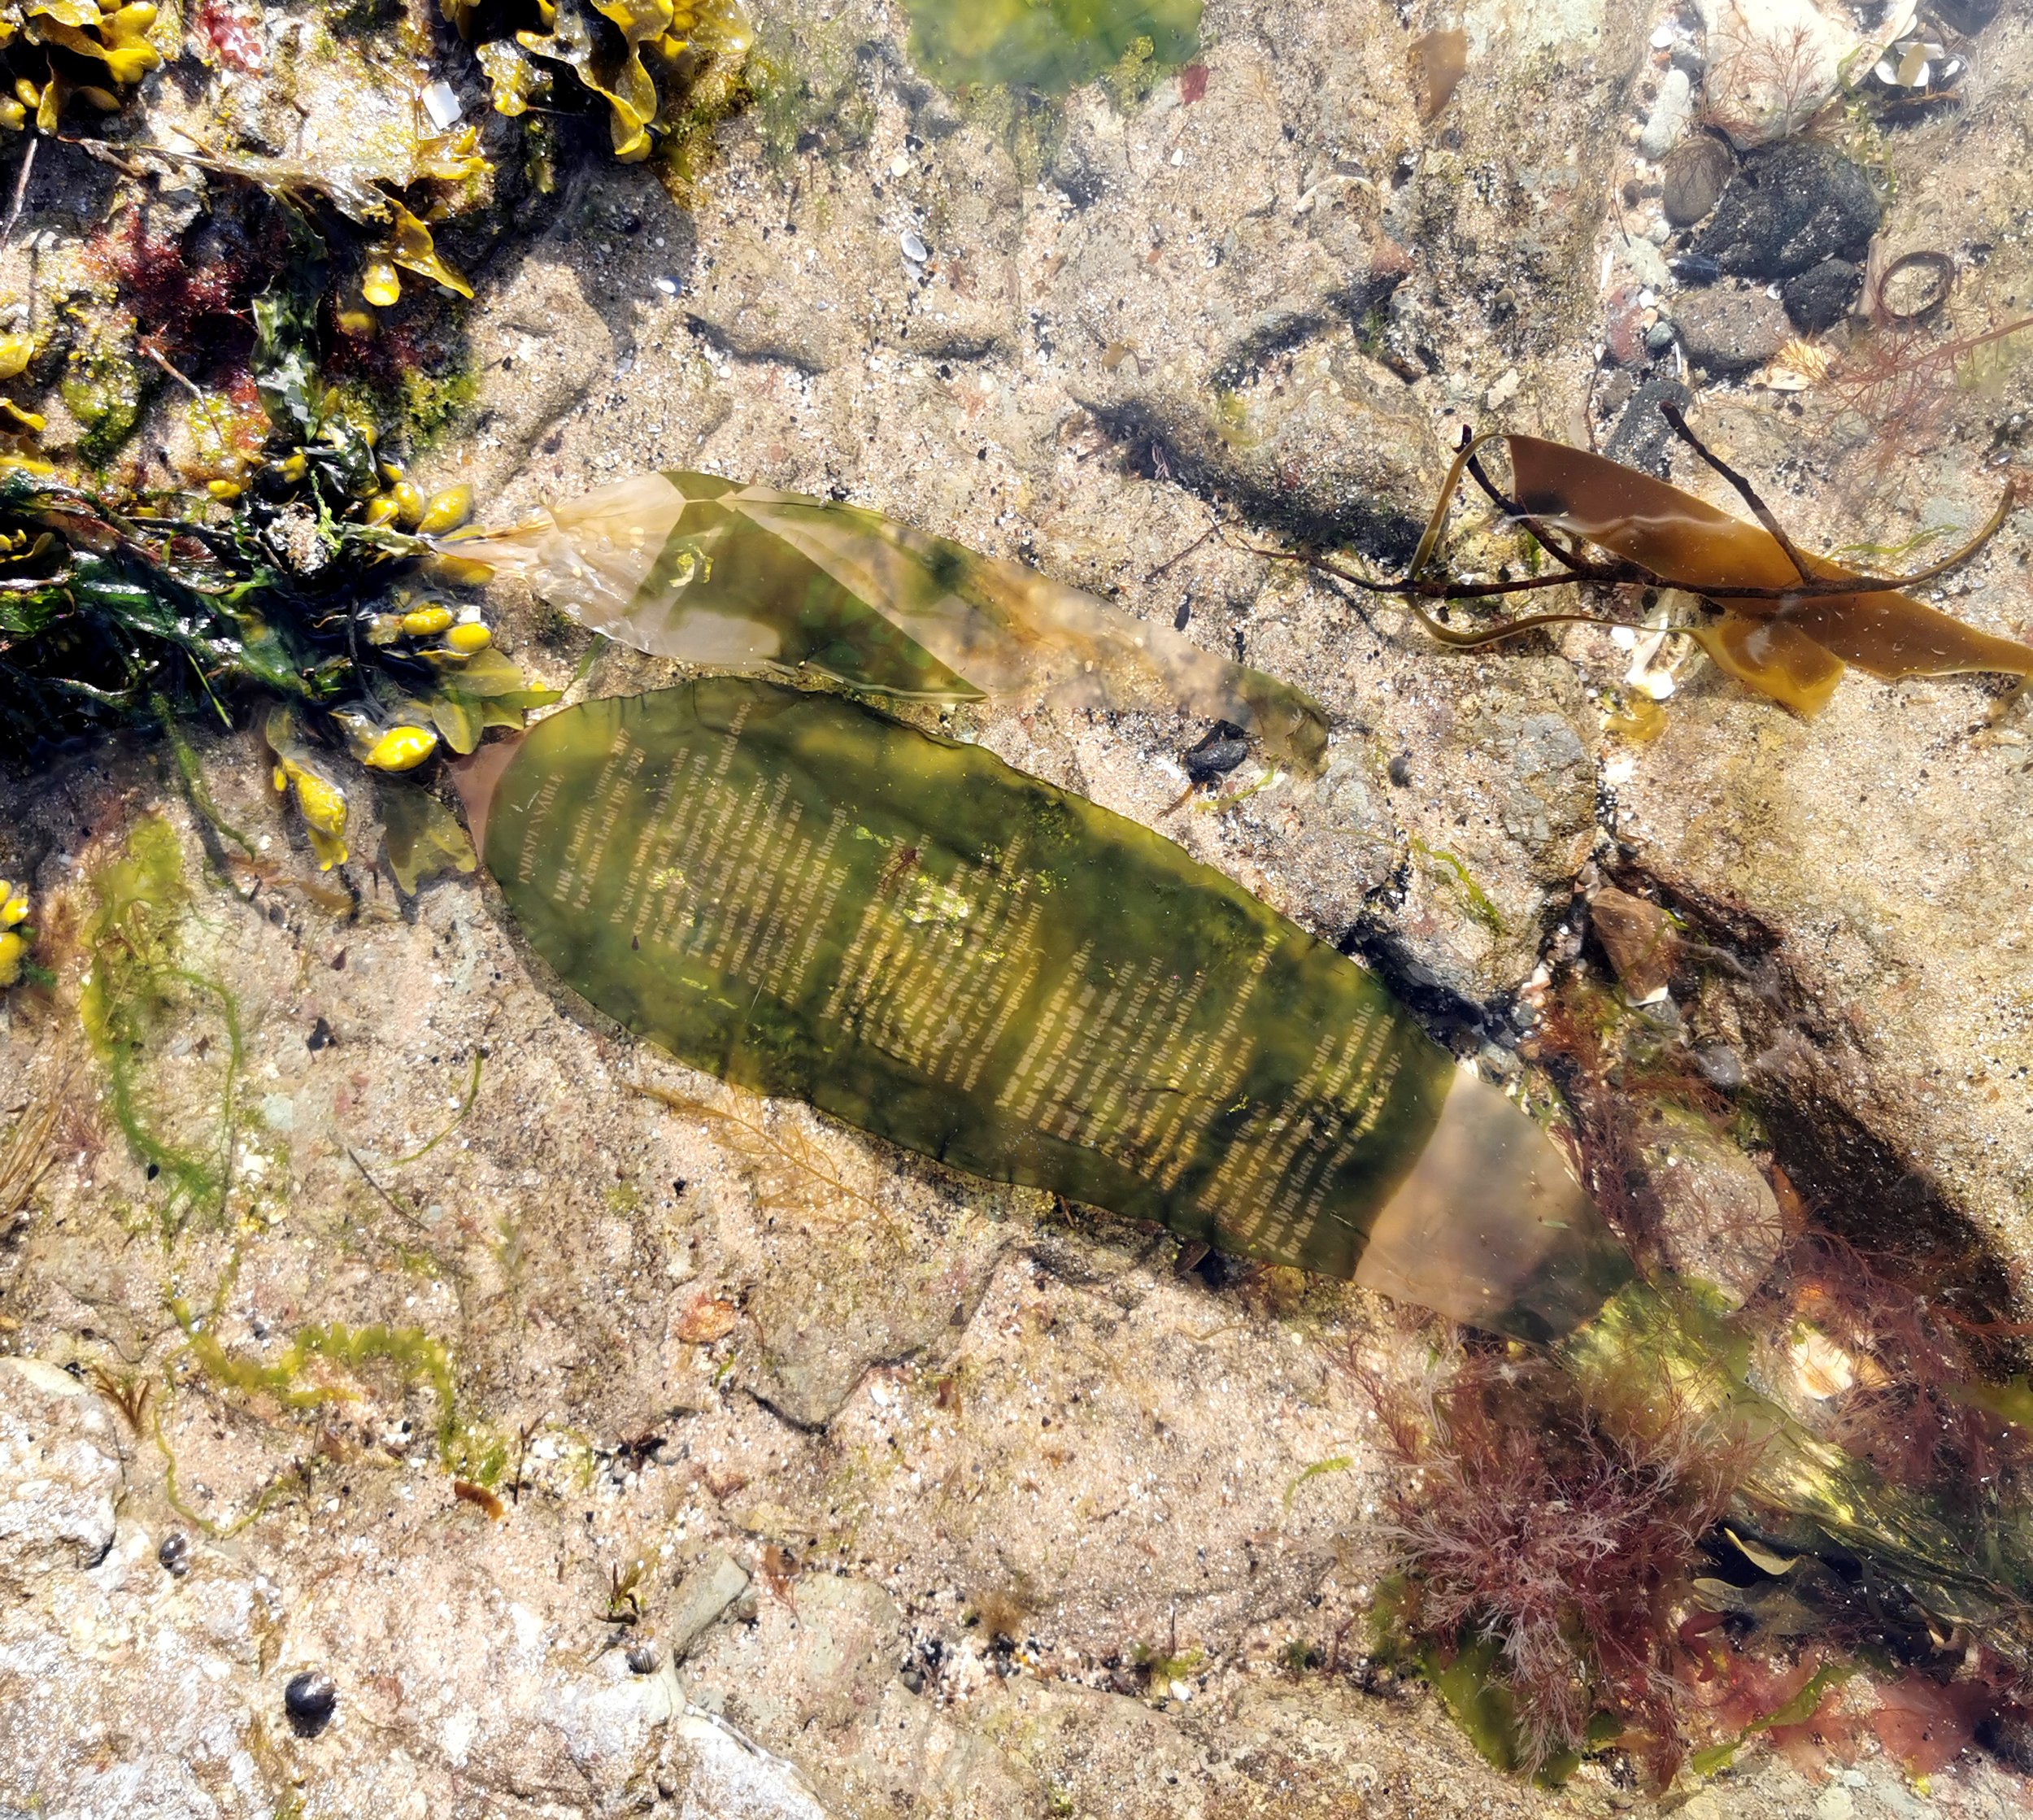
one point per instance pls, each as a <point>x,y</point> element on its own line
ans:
<point>1789,208</point>
<point>1642,436</point>
<point>1217,755</point>
<point>1967,15</point>
<point>1820,297</point>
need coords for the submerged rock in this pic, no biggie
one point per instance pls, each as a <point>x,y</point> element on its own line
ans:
<point>1692,181</point>
<point>60,1473</point>
<point>1820,297</point>
<point>1728,332</point>
<point>1790,208</point>
<point>1772,64</point>
<point>1642,438</point>
<point>1669,114</point>
<point>1722,1224</point>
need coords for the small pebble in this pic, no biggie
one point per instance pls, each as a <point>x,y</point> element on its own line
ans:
<point>175,1553</point>
<point>1661,37</point>
<point>1730,331</point>
<point>668,285</point>
<point>1400,769</point>
<point>1217,755</point>
<point>914,249</point>
<point>309,1699</point>
<point>1693,179</point>
<point>643,1658</point>
<point>1670,115</point>
<point>1721,1065</point>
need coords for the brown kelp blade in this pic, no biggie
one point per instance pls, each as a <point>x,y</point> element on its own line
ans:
<point>1774,658</point>
<point>813,901</point>
<point>753,579</point>
<point>1691,544</point>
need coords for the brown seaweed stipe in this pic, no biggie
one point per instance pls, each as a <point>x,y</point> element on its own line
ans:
<point>1791,620</point>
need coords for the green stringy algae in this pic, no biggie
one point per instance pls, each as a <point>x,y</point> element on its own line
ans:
<point>812,900</point>
<point>1051,45</point>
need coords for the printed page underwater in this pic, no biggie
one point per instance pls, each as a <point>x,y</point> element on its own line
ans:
<point>976,908</point>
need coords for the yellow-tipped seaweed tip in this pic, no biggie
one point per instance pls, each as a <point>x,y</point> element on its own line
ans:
<point>467,638</point>
<point>401,749</point>
<point>447,512</point>
<point>424,622</point>
<point>458,571</point>
<point>410,504</point>
<point>12,949</point>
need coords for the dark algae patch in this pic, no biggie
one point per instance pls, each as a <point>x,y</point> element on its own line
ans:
<point>1050,46</point>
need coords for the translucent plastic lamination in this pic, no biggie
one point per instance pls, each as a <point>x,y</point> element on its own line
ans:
<point>751,579</point>
<point>811,900</point>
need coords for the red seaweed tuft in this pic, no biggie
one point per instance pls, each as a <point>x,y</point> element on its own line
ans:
<point>1568,1540</point>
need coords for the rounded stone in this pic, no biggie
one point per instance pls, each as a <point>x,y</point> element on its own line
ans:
<point>1730,331</point>
<point>1691,180</point>
<point>174,1553</point>
<point>1790,208</point>
<point>309,1698</point>
<point>1669,117</point>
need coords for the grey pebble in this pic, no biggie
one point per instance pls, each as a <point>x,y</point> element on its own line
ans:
<point>1670,115</point>
<point>1730,331</point>
<point>175,1553</point>
<point>1693,179</point>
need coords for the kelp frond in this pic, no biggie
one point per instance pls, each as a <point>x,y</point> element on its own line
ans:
<point>1791,621</point>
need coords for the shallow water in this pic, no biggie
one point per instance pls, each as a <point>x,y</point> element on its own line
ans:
<point>378,1308</point>
<point>1047,46</point>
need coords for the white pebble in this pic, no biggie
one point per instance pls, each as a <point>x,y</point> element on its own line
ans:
<point>914,249</point>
